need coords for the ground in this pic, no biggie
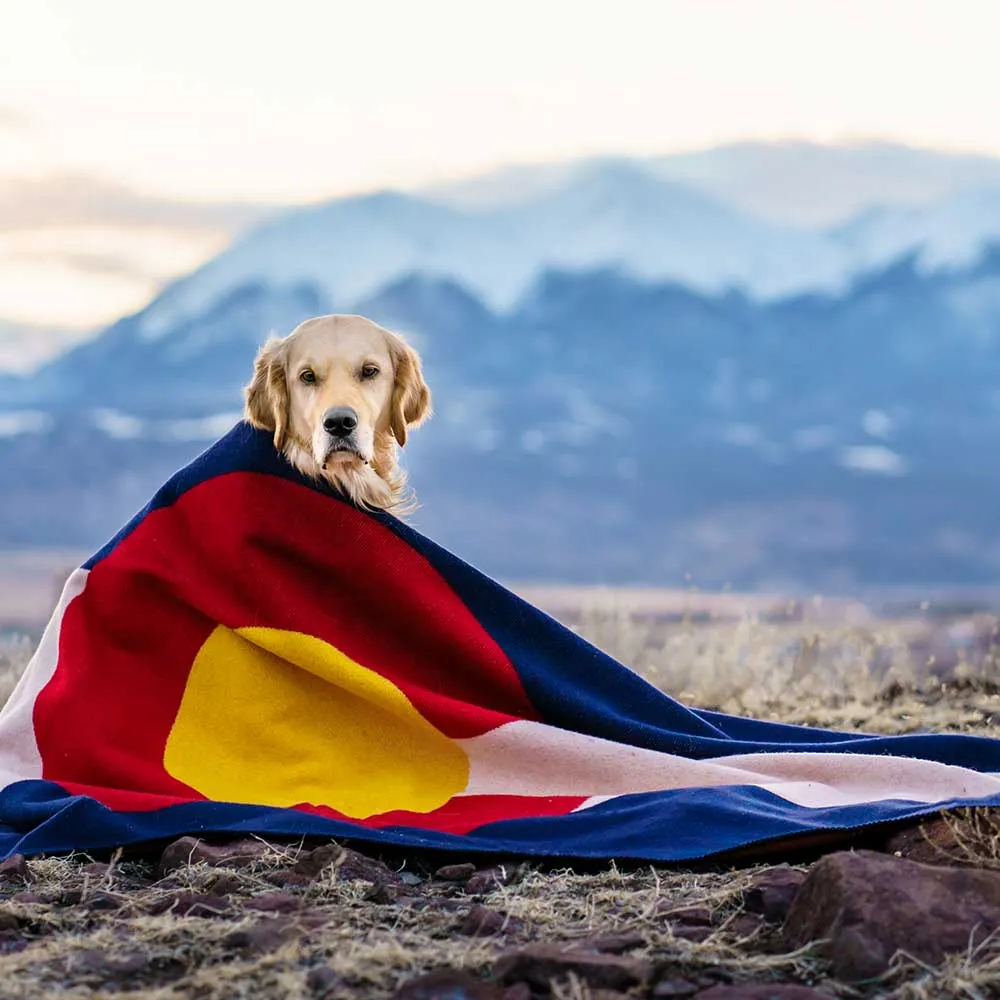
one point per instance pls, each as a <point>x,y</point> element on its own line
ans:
<point>277,920</point>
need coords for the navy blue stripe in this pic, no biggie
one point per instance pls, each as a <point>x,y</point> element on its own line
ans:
<point>38,817</point>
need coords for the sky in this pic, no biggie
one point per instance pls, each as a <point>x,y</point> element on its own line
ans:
<point>137,138</point>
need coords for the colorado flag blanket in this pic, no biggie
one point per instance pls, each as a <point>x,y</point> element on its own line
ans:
<point>252,654</point>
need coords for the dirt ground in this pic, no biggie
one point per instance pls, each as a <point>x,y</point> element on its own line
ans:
<point>279,921</point>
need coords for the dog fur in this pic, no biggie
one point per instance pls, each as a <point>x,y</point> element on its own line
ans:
<point>334,365</point>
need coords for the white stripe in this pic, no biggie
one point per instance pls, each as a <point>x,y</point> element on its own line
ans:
<point>19,756</point>
<point>530,758</point>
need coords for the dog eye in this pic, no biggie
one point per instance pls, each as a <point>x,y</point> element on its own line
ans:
<point>308,376</point>
<point>369,371</point>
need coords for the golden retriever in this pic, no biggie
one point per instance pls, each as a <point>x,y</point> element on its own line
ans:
<point>339,394</point>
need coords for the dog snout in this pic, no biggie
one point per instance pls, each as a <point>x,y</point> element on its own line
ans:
<point>340,422</point>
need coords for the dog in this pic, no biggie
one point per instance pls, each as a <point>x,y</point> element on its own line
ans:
<point>340,395</point>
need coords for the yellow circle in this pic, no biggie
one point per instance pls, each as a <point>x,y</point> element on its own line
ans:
<point>280,718</point>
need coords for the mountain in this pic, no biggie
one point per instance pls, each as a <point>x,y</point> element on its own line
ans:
<point>606,215</point>
<point>601,214</point>
<point>606,429</point>
<point>795,183</point>
<point>23,346</point>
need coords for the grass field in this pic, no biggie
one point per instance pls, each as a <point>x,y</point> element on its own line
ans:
<point>85,927</point>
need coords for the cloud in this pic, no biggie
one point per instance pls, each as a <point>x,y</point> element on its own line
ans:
<point>88,262</point>
<point>74,200</point>
<point>12,121</point>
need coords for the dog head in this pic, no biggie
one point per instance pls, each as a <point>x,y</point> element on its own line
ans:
<point>340,393</point>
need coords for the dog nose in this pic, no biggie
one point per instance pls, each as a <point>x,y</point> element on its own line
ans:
<point>340,421</point>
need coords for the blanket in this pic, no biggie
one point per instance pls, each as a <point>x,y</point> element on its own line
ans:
<point>253,654</point>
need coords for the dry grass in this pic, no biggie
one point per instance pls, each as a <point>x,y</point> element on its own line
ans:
<point>90,934</point>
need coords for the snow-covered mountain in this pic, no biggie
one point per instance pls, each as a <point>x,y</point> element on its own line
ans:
<point>606,214</point>
<point>799,183</point>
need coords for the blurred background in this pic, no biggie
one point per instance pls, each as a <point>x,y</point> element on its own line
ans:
<point>708,291</point>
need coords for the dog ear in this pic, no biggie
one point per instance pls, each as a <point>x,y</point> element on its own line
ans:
<point>411,399</point>
<point>267,394</point>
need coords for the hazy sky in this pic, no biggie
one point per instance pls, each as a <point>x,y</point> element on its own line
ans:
<point>116,115</point>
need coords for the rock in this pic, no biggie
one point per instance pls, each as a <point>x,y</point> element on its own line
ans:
<point>192,851</point>
<point>274,902</point>
<point>456,873</point>
<point>285,878</point>
<point>321,980</point>
<point>96,870</point>
<point>447,984</point>
<point>772,892</point>
<point>98,901</point>
<point>15,871</point>
<point>481,921</point>
<point>695,916</point>
<point>11,943</point>
<point>226,884</point>
<point>669,989</point>
<point>695,933</point>
<point>519,991</point>
<point>349,865</point>
<point>486,880</point>
<point>950,840</point>
<point>190,904</point>
<point>762,991</point>
<point>745,925</point>
<point>385,893</point>
<point>614,944</point>
<point>259,938</point>
<point>871,905</point>
<point>539,964</point>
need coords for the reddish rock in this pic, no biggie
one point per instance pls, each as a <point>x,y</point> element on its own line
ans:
<point>456,873</point>
<point>192,851</point>
<point>614,944</point>
<point>226,884</point>
<point>15,871</point>
<point>745,925</point>
<point>952,840</point>
<point>284,878</point>
<point>669,989</point>
<point>487,879</point>
<point>695,933</point>
<point>190,904</point>
<point>274,902</point>
<point>96,870</point>
<point>447,984</point>
<point>772,892</point>
<point>762,991</point>
<point>11,943</point>
<point>349,865</point>
<point>98,901</point>
<point>870,905</point>
<point>481,921</point>
<point>385,893</point>
<point>540,964</point>
<point>260,938</point>
<point>322,980</point>
<point>695,916</point>
<point>519,991</point>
